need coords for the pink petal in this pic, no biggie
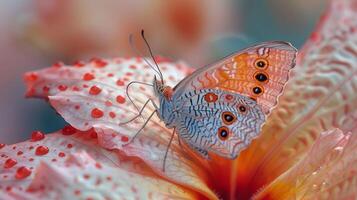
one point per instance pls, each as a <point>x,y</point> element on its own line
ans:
<point>321,95</point>
<point>67,165</point>
<point>87,95</point>
<point>328,170</point>
<point>94,94</point>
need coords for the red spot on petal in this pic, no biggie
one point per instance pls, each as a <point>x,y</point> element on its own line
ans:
<point>68,130</point>
<point>88,77</point>
<point>129,74</point>
<point>37,136</point>
<point>31,159</point>
<point>9,163</point>
<point>58,64</point>
<point>108,103</point>
<point>46,89</point>
<point>138,59</point>
<point>94,90</point>
<point>124,138</point>
<point>120,83</point>
<point>22,173</point>
<point>98,165</point>
<point>61,154</point>
<point>132,67</point>
<point>97,113</point>
<point>160,59</point>
<point>20,153</point>
<point>99,62</point>
<point>78,63</point>
<point>31,77</point>
<point>120,99</point>
<point>2,145</point>
<point>69,146</point>
<point>41,150</point>
<point>77,107</point>
<point>110,75</point>
<point>75,88</point>
<point>112,114</point>
<point>86,176</point>
<point>62,87</point>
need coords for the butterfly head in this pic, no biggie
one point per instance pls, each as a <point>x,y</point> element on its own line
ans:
<point>162,90</point>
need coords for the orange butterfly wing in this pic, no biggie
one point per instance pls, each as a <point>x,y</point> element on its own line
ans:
<point>259,72</point>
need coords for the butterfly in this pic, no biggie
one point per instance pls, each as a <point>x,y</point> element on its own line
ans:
<point>221,107</point>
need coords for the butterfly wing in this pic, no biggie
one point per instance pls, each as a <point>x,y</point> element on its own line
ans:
<point>218,121</point>
<point>259,72</point>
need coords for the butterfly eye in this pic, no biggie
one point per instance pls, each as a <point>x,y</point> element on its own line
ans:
<point>223,133</point>
<point>261,63</point>
<point>228,118</point>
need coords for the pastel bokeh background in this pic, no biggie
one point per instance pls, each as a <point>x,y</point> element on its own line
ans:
<point>35,34</point>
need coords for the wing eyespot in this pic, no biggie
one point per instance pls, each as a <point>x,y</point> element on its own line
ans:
<point>228,118</point>
<point>228,98</point>
<point>242,108</point>
<point>210,97</point>
<point>261,63</point>
<point>257,90</point>
<point>223,133</point>
<point>261,77</point>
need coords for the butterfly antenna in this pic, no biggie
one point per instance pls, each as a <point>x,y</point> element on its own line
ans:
<point>152,56</point>
<point>131,41</point>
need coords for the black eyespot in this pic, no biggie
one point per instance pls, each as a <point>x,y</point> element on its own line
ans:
<point>242,108</point>
<point>261,77</point>
<point>257,90</point>
<point>228,118</point>
<point>261,63</point>
<point>223,133</point>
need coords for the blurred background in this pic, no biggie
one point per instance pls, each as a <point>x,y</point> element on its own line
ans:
<point>35,33</point>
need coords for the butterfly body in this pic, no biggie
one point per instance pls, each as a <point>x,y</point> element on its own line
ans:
<point>222,107</point>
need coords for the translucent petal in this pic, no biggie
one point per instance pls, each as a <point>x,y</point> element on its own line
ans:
<point>320,95</point>
<point>71,165</point>
<point>328,171</point>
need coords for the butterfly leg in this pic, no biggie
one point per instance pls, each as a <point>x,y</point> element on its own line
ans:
<point>141,111</point>
<point>127,91</point>
<point>167,149</point>
<point>142,127</point>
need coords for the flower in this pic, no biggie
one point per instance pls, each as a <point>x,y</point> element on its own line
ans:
<point>306,148</point>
